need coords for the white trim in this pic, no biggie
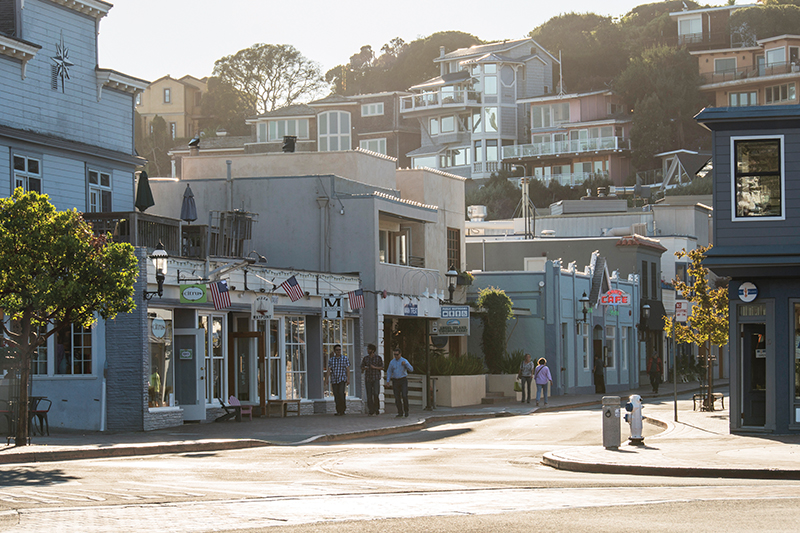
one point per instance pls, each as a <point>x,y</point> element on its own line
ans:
<point>733,139</point>
<point>18,50</point>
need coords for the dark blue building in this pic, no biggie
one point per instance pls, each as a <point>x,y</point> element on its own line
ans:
<point>757,244</point>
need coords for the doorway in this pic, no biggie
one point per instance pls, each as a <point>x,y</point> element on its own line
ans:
<point>246,368</point>
<point>754,374</point>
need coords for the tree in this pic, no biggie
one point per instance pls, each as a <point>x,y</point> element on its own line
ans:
<point>225,108</point>
<point>270,76</point>
<point>708,321</point>
<point>769,20</point>
<point>497,311</point>
<point>154,145</point>
<point>54,272</point>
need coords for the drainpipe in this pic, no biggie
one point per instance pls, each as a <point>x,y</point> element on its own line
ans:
<point>322,202</point>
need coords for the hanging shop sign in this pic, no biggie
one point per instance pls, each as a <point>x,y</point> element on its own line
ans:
<point>332,308</point>
<point>193,294</point>
<point>262,308</point>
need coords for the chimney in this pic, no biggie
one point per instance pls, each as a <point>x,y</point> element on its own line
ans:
<point>441,51</point>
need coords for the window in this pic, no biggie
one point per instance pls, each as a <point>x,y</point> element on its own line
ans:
<point>690,30</point>
<point>372,110</point>
<point>544,116</point>
<point>476,123</point>
<point>724,65</point>
<point>779,93</point>
<point>454,248</point>
<point>340,332</point>
<point>279,128</point>
<point>757,178</point>
<point>295,346</point>
<point>585,341</point>
<point>161,380</point>
<point>491,150</point>
<point>214,376</point>
<point>99,191</point>
<point>374,145</point>
<point>74,351</point>
<point>428,161</point>
<point>623,345</point>
<point>655,280</point>
<point>27,173</point>
<point>448,124</point>
<point>682,272</point>
<point>776,56</point>
<point>167,96</point>
<point>434,126</point>
<point>457,157</point>
<point>334,131</point>
<point>645,286</point>
<point>740,99</point>
<point>491,119</point>
<point>611,347</point>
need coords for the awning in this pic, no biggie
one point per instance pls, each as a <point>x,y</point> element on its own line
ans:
<point>657,314</point>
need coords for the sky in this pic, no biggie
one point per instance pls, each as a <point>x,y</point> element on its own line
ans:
<point>149,39</point>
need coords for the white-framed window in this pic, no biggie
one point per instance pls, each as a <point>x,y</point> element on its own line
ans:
<point>456,157</point>
<point>490,79</point>
<point>779,93</point>
<point>161,376</point>
<point>448,124</point>
<point>623,345</point>
<point>724,65</point>
<point>427,161</point>
<point>492,151</point>
<point>340,332</point>
<point>214,371</point>
<point>334,131</point>
<point>690,30</point>
<point>296,359</point>
<point>73,351</point>
<point>758,187</point>
<point>776,56</point>
<point>740,99</point>
<point>99,191</point>
<point>434,126</point>
<point>374,145</point>
<point>490,124</point>
<point>372,110</point>
<point>297,127</point>
<point>611,347</point>
<point>586,343</point>
<point>544,116</point>
<point>27,173</point>
<point>167,95</point>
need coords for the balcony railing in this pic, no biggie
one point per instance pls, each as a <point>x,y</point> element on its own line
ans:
<point>440,98</point>
<point>572,179</point>
<point>138,229</point>
<point>744,73</point>
<point>566,147</point>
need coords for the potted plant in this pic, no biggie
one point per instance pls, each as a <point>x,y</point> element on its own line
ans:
<point>465,278</point>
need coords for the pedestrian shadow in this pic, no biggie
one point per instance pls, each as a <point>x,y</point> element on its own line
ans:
<point>30,477</point>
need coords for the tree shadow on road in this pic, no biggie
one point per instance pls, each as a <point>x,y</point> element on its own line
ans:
<point>33,476</point>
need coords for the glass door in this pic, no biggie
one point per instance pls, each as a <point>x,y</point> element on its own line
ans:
<point>754,374</point>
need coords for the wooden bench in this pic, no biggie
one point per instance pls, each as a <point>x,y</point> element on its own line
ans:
<point>283,407</point>
<point>700,398</point>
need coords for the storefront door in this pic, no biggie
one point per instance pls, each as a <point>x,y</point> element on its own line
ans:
<point>189,376</point>
<point>246,382</point>
<point>754,374</point>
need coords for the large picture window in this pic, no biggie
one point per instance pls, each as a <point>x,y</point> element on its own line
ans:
<point>758,178</point>
<point>334,131</point>
<point>295,127</point>
<point>160,388</point>
<point>296,368</point>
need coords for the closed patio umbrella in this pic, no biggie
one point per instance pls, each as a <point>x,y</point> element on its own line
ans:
<point>144,196</point>
<point>188,207</point>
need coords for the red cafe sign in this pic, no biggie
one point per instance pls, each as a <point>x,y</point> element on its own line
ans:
<point>615,297</point>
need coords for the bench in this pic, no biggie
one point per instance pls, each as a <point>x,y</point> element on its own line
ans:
<point>243,409</point>
<point>700,398</point>
<point>283,407</point>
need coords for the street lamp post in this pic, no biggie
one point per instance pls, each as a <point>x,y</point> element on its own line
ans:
<point>584,300</point>
<point>159,257</point>
<point>451,274</point>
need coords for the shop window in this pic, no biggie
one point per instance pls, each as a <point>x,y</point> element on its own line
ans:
<point>296,363</point>
<point>161,378</point>
<point>214,362</point>
<point>758,178</point>
<point>339,332</point>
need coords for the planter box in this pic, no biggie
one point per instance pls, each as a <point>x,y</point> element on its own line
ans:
<point>501,383</point>
<point>458,391</point>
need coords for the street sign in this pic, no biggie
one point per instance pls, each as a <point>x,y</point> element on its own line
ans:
<point>453,321</point>
<point>332,308</point>
<point>681,310</point>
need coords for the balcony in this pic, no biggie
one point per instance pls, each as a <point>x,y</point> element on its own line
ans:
<point>577,146</point>
<point>229,235</point>
<point>572,179</point>
<point>744,73</point>
<point>440,99</point>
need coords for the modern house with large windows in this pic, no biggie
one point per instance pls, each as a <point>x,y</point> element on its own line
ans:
<point>66,130</point>
<point>574,137</point>
<point>471,110</point>
<point>756,199</point>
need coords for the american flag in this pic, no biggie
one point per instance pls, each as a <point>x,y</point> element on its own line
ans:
<point>220,294</point>
<point>292,289</point>
<point>356,299</point>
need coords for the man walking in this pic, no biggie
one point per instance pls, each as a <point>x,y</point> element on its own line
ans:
<point>397,374</point>
<point>372,366</point>
<point>339,374</point>
<point>655,368</point>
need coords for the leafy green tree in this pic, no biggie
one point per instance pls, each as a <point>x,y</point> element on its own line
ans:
<point>768,20</point>
<point>54,272</point>
<point>499,195</point>
<point>270,76</point>
<point>226,108</point>
<point>496,307</point>
<point>708,322</point>
<point>154,145</point>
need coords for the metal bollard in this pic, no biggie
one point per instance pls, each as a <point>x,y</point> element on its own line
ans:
<point>611,419</point>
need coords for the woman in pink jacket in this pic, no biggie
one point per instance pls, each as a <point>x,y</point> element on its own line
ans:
<point>541,375</point>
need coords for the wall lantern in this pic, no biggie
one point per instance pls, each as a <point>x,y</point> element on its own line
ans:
<point>159,257</point>
<point>584,300</point>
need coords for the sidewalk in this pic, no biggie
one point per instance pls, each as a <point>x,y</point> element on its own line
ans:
<point>698,445</point>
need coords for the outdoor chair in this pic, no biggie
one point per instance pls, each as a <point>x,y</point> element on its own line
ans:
<point>243,409</point>
<point>230,412</point>
<point>40,411</point>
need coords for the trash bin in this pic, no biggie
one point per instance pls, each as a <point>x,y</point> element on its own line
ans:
<point>611,422</point>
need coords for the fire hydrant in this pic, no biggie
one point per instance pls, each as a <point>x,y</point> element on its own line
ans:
<point>634,418</point>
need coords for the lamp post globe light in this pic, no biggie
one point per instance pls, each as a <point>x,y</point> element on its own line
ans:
<point>584,300</point>
<point>451,274</point>
<point>159,257</point>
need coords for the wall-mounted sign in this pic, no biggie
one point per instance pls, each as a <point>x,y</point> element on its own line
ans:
<point>186,353</point>
<point>453,321</point>
<point>262,308</point>
<point>193,294</point>
<point>748,292</point>
<point>158,327</point>
<point>332,308</point>
<point>410,309</point>
<point>615,297</point>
